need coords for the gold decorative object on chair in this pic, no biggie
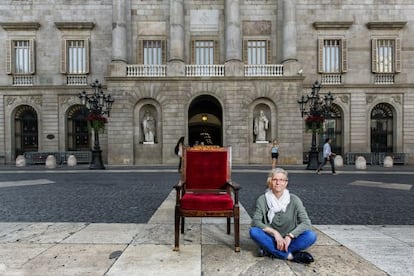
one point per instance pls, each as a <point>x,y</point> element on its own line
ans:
<point>206,190</point>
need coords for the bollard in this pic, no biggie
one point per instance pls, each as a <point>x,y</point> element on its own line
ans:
<point>50,162</point>
<point>339,161</point>
<point>72,162</point>
<point>388,162</point>
<point>360,163</point>
<point>20,161</point>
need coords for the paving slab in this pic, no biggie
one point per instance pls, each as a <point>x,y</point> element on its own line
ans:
<point>38,232</point>
<point>150,259</point>
<point>105,233</point>
<point>73,259</point>
<point>391,252</point>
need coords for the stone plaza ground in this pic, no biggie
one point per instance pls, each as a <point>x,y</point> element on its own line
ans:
<point>120,222</point>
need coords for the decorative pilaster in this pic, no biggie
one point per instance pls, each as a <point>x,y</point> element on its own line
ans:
<point>176,65</point>
<point>289,29</point>
<point>233,58</point>
<point>119,31</point>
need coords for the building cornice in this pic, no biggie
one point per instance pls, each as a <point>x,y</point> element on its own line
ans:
<point>23,26</point>
<point>383,25</point>
<point>329,25</point>
<point>75,25</point>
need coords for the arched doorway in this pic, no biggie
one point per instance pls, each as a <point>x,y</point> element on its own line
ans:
<point>333,126</point>
<point>205,117</point>
<point>77,127</point>
<point>382,128</point>
<point>26,130</point>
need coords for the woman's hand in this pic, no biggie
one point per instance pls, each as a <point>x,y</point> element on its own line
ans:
<point>287,242</point>
<point>280,242</point>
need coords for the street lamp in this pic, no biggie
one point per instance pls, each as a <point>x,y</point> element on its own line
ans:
<point>316,109</point>
<point>98,105</point>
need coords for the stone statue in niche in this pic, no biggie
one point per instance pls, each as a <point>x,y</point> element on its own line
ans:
<point>148,128</point>
<point>261,125</point>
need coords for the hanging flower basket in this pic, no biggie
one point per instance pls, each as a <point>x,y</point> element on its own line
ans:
<point>97,122</point>
<point>314,123</point>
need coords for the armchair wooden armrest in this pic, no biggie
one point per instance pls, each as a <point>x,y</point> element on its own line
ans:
<point>235,186</point>
<point>179,188</point>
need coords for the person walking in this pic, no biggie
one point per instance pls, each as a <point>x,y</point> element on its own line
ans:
<point>280,224</point>
<point>178,150</point>
<point>275,153</point>
<point>328,155</point>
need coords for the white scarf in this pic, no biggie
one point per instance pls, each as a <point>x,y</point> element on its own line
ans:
<point>276,205</point>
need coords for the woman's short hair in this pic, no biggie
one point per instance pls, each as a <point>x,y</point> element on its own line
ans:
<point>276,171</point>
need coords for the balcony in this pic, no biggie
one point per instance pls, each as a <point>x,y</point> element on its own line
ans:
<point>263,70</point>
<point>384,79</point>
<point>204,70</point>
<point>212,70</point>
<point>143,70</point>
<point>23,80</point>
<point>76,79</point>
<point>331,79</point>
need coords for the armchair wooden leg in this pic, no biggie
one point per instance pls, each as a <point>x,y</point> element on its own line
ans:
<point>228,226</point>
<point>237,230</point>
<point>182,225</point>
<point>177,232</point>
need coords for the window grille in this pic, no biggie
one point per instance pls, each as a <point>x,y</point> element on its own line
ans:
<point>204,52</point>
<point>152,52</point>
<point>77,57</point>
<point>331,56</point>
<point>256,52</point>
<point>22,57</point>
<point>385,55</point>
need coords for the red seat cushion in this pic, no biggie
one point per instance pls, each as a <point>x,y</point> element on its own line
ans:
<point>207,202</point>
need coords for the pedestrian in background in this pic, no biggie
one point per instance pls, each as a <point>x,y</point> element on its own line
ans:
<point>275,153</point>
<point>328,155</point>
<point>179,152</point>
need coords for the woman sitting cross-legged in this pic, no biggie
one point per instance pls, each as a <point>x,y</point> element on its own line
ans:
<point>281,226</point>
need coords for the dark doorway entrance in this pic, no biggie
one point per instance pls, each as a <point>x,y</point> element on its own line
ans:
<point>205,121</point>
<point>26,130</point>
<point>382,128</point>
<point>78,131</point>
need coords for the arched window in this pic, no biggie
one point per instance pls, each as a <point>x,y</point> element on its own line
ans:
<point>78,132</point>
<point>382,128</point>
<point>26,130</point>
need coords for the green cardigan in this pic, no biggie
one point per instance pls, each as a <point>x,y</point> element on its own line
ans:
<point>295,220</point>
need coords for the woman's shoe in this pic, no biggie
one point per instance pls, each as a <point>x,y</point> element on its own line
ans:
<point>262,253</point>
<point>302,257</point>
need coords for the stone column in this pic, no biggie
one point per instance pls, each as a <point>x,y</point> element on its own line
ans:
<point>176,63</point>
<point>234,65</point>
<point>289,29</point>
<point>119,38</point>
<point>119,41</point>
<point>291,65</point>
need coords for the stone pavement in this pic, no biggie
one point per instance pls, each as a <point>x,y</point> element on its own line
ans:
<point>146,249</point>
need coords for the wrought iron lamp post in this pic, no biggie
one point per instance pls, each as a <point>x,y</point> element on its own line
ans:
<point>98,104</point>
<point>316,109</point>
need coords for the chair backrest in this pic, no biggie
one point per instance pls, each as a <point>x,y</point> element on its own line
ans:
<point>206,169</point>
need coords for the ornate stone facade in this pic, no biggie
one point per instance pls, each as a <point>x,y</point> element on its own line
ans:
<point>221,98</point>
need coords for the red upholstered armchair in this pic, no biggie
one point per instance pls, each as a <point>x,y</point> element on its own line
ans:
<point>206,190</point>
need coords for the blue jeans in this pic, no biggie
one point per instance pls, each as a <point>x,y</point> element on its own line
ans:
<point>268,242</point>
